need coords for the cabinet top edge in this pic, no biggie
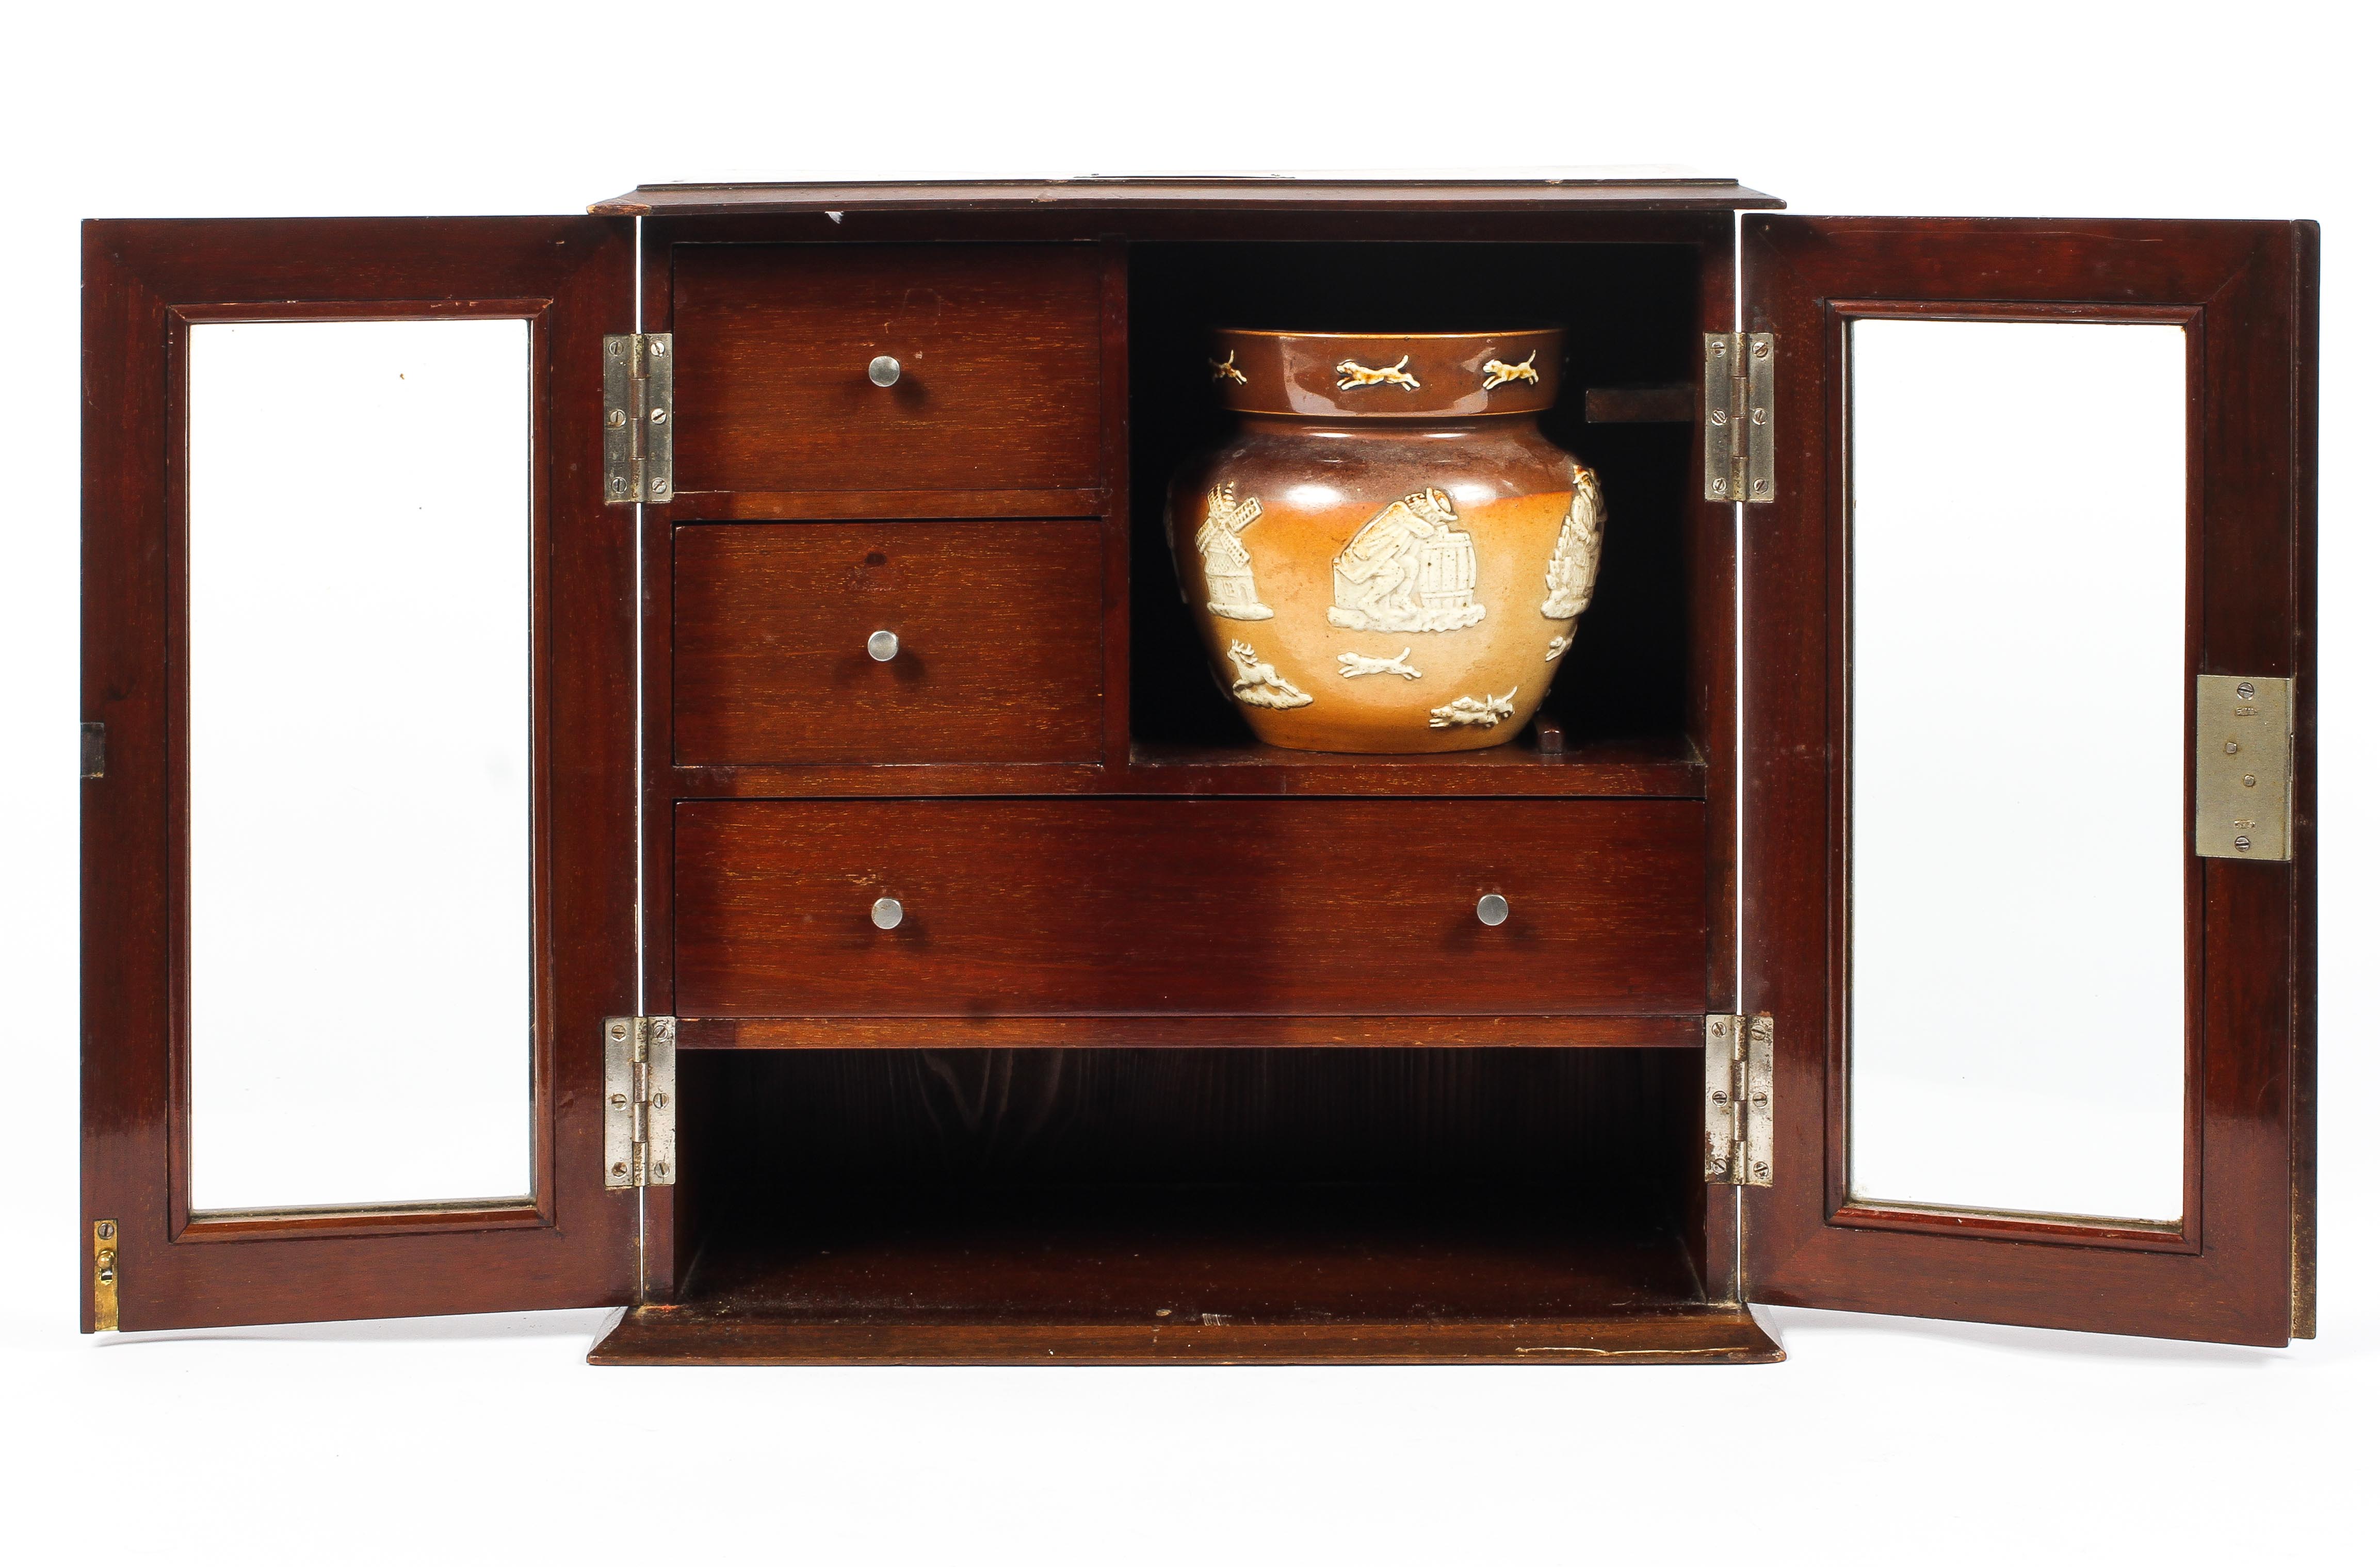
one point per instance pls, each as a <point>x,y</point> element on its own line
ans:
<point>1222,193</point>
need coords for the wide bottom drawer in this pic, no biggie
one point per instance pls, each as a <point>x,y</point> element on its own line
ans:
<point>1178,906</point>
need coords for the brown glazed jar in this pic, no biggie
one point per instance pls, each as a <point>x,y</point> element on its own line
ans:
<point>1387,557</point>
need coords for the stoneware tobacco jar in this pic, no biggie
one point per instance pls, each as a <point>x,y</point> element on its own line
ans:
<point>1388,556</point>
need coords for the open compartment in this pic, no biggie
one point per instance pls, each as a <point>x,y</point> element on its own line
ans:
<point>1622,716</point>
<point>1146,1205</point>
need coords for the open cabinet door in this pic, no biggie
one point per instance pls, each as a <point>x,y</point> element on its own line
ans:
<point>2029,814</point>
<point>359,830</point>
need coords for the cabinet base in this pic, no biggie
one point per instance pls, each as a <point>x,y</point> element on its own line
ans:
<point>694,1335</point>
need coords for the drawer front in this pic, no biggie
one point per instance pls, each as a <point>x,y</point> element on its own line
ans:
<point>999,347</point>
<point>996,653</point>
<point>1247,907</point>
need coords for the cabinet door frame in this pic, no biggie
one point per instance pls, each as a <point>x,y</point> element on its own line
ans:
<point>571,1243</point>
<point>2241,1266</point>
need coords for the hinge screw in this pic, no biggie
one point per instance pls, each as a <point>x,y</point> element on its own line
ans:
<point>657,345</point>
<point>1719,416</point>
<point>659,1099</point>
<point>1760,1102</point>
<point>2230,747</point>
<point>660,416</point>
<point>1761,1170</point>
<point>2247,690</point>
<point>106,1229</point>
<point>661,1169</point>
<point>619,1170</point>
<point>1718,1167</point>
<point>1760,350</point>
<point>619,1101</point>
<point>616,417</point>
<point>2248,780</point>
<point>619,1030</point>
<point>1719,1096</point>
<point>660,486</point>
<point>2241,842</point>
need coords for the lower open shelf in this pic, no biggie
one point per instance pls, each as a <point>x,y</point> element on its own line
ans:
<point>1496,1271</point>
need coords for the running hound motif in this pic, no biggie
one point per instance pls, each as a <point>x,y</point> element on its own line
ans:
<point>1351,375</point>
<point>1353,664</point>
<point>1499,372</point>
<point>1486,712</point>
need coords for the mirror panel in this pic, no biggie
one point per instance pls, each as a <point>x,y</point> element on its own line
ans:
<point>358,539</point>
<point>2019,821</point>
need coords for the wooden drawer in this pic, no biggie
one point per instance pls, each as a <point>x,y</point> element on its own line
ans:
<point>998,623</point>
<point>999,347</point>
<point>1247,907</point>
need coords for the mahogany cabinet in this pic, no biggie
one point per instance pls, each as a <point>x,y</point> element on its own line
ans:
<point>923,963</point>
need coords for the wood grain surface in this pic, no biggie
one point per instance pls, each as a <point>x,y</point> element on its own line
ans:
<point>998,623</point>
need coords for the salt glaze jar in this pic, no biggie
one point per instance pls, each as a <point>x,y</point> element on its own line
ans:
<point>1388,556</point>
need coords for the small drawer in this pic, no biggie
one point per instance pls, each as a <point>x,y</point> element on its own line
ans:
<point>997,348</point>
<point>1176,906</point>
<point>817,643</point>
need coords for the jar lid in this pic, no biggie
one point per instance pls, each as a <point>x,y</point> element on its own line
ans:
<point>1384,374</point>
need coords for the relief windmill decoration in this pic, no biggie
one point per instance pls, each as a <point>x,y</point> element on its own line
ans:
<point>1230,577</point>
<point>1408,569</point>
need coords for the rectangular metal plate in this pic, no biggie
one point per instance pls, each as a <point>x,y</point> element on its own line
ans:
<point>104,1270</point>
<point>1760,417</point>
<point>620,484</point>
<point>2246,743</point>
<point>1738,416</point>
<point>660,1102</point>
<point>1719,413</point>
<point>619,1101</point>
<point>639,418</point>
<point>94,750</point>
<point>1759,1164</point>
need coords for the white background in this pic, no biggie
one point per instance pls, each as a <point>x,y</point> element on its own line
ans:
<point>485,1440</point>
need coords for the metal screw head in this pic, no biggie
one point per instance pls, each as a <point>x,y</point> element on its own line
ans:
<point>2230,747</point>
<point>619,486</point>
<point>661,1169</point>
<point>659,415</point>
<point>1718,417</point>
<point>884,370</point>
<point>1719,1096</point>
<point>2246,689</point>
<point>886,913</point>
<point>2241,842</point>
<point>616,417</point>
<point>656,344</point>
<point>883,646</point>
<point>1493,909</point>
<point>1718,350</point>
<point>2248,780</point>
<point>1759,1169</point>
<point>660,486</point>
<point>659,1099</point>
<point>1760,416</point>
<point>1718,1167</point>
<point>1760,350</point>
<point>106,1229</point>
<point>619,1170</point>
<point>619,1101</point>
<point>619,1030</point>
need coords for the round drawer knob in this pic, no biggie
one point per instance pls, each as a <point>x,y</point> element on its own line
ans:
<point>884,370</point>
<point>886,913</point>
<point>1494,910</point>
<point>884,647</point>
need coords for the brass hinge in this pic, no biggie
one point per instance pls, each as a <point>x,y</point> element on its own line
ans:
<point>639,1101</point>
<point>639,409</point>
<point>1738,1086</point>
<point>2247,743</point>
<point>1738,416</point>
<point>104,1273</point>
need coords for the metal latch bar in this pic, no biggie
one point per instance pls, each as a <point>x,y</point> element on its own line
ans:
<point>639,1101</point>
<point>1738,1095</point>
<point>640,418</point>
<point>1738,416</point>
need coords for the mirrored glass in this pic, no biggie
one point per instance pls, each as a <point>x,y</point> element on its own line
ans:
<point>2019,818</point>
<point>358,665</point>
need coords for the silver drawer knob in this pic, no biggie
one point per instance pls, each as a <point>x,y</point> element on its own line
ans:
<point>884,370</point>
<point>884,647</point>
<point>1494,910</point>
<point>886,913</point>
